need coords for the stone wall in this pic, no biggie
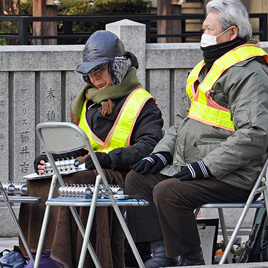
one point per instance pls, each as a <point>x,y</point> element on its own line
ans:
<point>38,84</point>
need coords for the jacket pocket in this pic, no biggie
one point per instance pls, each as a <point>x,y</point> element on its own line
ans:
<point>241,117</point>
<point>204,148</point>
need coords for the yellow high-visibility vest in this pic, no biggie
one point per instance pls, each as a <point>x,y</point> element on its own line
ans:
<point>205,109</point>
<point>120,133</point>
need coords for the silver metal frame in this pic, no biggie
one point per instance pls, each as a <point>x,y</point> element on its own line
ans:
<point>59,137</point>
<point>19,199</point>
<point>259,187</point>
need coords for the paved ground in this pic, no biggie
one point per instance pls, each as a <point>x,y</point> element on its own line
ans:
<point>9,242</point>
<point>237,265</point>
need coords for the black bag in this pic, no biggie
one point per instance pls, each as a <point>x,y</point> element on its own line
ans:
<point>256,249</point>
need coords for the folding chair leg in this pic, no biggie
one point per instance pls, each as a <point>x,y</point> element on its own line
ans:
<point>44,225</point>
<point>121,220</point>
<point>265,194</point>
<point>89,225</point>
<point>17,224</point>
<point>235,232</point>
<point>117,210</point>
<point>82,231</point>
<point>125,228</point>
<point>45,222</point>
<point>224,232</point>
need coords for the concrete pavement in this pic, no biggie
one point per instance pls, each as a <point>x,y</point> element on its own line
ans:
<point>9,242</point>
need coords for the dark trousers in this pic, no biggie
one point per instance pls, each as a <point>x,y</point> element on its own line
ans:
<point>172,202</point>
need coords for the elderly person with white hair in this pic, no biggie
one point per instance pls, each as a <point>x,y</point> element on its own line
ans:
<point>218,147</point>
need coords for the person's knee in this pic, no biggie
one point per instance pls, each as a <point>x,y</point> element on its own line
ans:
<point>131,181</point>
<point>167,191</point>
<point>160,191</point>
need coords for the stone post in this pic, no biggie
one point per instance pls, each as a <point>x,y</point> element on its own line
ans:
<point>133,35</point>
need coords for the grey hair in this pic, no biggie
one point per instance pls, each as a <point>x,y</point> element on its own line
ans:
<point>232,13</point>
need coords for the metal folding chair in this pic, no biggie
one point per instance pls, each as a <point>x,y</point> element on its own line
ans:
<point>60,137</point>
<point>259,188</point>
<point>18,199</point>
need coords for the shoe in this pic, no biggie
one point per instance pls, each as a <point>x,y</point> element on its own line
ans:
<point>159,257</point>
<point>192,258</point>
<point>45,262</point>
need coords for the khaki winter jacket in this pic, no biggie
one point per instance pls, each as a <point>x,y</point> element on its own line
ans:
<point>232,157</point>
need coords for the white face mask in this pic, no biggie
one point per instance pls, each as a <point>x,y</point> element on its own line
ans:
<point>210,40</point>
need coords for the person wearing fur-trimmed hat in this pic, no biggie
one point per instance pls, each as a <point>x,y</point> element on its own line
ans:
<point>123,124</point>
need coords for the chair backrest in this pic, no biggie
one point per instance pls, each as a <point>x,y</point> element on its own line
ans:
<point>61,137</point>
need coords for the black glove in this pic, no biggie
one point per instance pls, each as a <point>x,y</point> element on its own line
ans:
<point>37,161</point>
<point>103,158</point>
<point>153,163</point>
<point>195,170</point>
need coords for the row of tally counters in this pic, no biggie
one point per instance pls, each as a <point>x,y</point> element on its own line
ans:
<point>86,191</point>
<point>80,191</point>
<point>15,188</point>
<point>62,165</point>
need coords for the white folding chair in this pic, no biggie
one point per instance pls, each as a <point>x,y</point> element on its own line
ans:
<point>18,199</point>
<point>259,188</point>
<point>61,137</point>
